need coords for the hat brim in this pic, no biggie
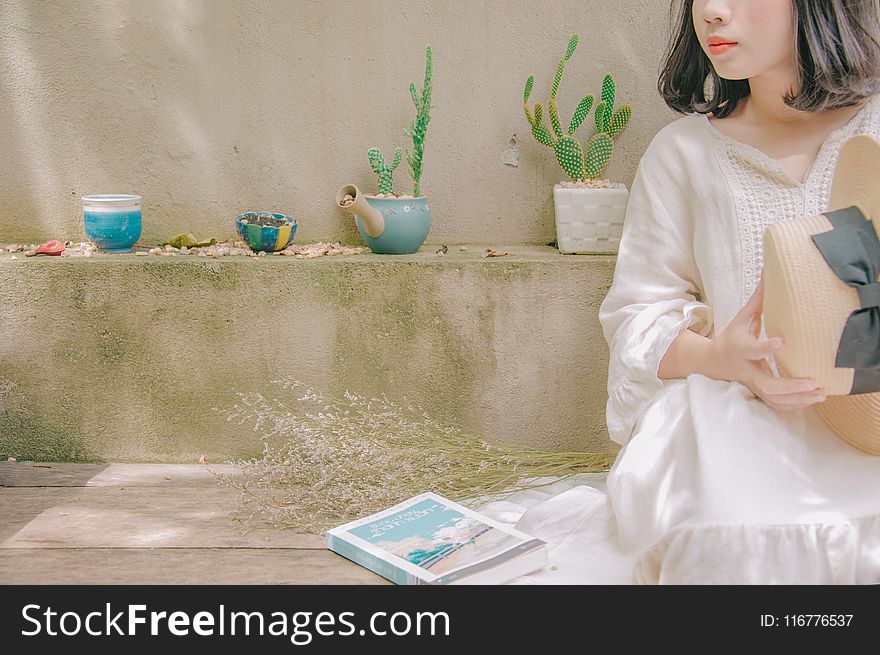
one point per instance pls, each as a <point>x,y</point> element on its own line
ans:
<point>855,181</point>
<point>856,418</point>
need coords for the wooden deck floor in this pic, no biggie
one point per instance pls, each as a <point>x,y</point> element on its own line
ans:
<point>146,524</point>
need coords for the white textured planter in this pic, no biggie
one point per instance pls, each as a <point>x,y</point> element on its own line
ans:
<point>589,221</point>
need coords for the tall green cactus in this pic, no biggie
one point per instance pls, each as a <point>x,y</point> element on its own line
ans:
<point>383,170</point>
<point>419,125</point>
<point>569,153</point>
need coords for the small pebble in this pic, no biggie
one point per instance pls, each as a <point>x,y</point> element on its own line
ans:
<point>591,184</point>
<point>82,249</point>
<point>231,247</point>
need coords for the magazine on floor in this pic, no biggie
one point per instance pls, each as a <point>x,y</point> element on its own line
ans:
<point>429,539</point>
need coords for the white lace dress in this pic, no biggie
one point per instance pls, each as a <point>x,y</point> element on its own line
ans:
<point>711,485</point>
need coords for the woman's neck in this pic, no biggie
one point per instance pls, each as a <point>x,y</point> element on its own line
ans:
<point>765,107</point>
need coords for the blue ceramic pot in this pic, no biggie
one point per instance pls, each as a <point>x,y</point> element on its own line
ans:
<point>266,238</point>
<point>407,223</point>
<point>393,226</point>
<point>112,222</point>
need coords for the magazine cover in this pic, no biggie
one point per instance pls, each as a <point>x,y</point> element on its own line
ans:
<point>429,539</point>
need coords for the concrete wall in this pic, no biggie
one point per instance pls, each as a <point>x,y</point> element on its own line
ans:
<point>212,107</point>
<point>124,358</point>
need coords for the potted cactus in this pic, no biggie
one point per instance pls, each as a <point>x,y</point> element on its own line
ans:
<point>390,222</point>
<point>589,209</point>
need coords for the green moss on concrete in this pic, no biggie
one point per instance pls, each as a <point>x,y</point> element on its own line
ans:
<point>336,281</point>
<point>136,355</point>
<point>29,432</point>
<point>395,336</point>
<point>497,273</point>
<point>187,271</point>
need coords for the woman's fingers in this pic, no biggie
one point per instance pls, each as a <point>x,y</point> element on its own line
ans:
<point>786,391</point>
<point>740,341</point>
<point>752,348</point>
<point>799,399</point>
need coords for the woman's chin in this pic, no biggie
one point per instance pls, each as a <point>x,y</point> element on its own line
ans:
<point>731,74</point>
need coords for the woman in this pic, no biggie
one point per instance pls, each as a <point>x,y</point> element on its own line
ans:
<point>727,473</point>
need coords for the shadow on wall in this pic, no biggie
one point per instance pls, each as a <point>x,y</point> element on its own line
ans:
<point>208,109</point>
<point>123,118</point>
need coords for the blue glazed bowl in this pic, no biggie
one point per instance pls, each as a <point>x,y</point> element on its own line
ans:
<point>112,222</point>
<point>266,238</point>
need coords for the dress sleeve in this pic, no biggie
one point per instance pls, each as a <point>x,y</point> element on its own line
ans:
<point>654,294</point>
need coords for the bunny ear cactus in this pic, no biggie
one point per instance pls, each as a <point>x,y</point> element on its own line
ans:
<point>569,153</point>
<point>383,170</point>
<point>419,126</point>
<point>609,120</point>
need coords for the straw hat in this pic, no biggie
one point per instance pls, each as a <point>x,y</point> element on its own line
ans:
<point>822,297</point>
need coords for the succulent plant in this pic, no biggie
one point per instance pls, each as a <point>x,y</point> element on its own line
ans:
<point>419,125</point>
<point>579,166</point>
<point>383,170</point>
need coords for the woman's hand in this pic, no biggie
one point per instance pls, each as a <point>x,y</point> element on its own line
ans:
<point>742,355</point>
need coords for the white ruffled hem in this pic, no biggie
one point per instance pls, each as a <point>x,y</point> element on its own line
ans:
<point>816,553</point>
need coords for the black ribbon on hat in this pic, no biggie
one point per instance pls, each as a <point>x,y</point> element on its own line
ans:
<point>852,250</point>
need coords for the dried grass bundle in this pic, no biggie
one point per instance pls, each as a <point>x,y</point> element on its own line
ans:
<point>343,459</point>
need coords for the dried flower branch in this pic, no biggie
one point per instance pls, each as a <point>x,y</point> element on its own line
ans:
<point>344,459</point>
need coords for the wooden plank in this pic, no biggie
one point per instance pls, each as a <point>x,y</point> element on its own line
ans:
<point>180,566</point>
<point>21,474</point>
<point>132,517</point>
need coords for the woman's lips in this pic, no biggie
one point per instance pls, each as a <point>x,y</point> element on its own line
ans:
<point>718,48</point>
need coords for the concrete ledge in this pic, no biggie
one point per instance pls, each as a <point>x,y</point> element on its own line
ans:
<point>125,358</point>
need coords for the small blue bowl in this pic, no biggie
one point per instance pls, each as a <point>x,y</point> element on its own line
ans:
<point>112,221</point>
<point>266,238</point>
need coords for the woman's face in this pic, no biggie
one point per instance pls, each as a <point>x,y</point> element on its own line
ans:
<point>762,31</point>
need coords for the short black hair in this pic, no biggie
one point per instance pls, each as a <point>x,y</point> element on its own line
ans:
<point>838,48</point>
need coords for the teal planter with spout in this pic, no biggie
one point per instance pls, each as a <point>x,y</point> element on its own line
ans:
<point>389,226</point>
